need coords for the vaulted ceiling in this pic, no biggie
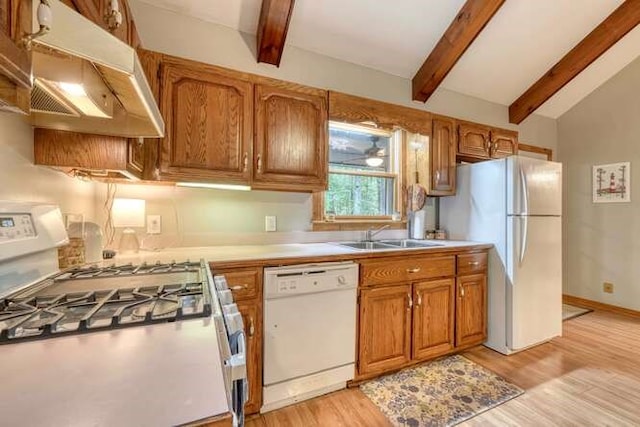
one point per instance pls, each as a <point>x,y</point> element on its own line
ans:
<point>522,41</point>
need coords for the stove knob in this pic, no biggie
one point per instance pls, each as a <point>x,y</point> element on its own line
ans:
<point>342,280</point>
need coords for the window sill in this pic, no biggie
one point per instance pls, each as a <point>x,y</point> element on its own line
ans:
<point>356,224</point>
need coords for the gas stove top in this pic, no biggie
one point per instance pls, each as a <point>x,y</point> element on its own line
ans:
<point>89,299</point>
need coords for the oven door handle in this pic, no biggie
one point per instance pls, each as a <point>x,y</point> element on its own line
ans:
<point>238,359</point>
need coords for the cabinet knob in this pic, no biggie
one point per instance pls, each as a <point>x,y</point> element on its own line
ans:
<point>413,270</point>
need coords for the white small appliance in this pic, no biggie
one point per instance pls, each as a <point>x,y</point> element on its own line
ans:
<point>516,204</point>
<point>309,331</point>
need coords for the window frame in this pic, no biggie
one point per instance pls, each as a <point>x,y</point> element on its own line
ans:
<point>397,159</point>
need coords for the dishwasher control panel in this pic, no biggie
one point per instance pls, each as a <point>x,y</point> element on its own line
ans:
<point>288,281</point>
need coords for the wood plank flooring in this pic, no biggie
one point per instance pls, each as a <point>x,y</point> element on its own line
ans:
<point>588,377</point>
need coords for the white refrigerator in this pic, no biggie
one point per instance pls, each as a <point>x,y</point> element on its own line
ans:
<point>516,204</point>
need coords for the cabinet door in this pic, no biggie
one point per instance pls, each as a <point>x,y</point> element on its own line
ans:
<point>503,143</point>
<point>385,328</point>
<point>252,317</point>
<point>474,140</point>
<point>15,60</point>
<point>442,158</point>
<point>433,318</point>
<point>471,309</point>
<point>291,138</point>
<point>208,119</point>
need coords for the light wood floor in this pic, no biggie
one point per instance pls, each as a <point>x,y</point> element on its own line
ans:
<point>589,377</point>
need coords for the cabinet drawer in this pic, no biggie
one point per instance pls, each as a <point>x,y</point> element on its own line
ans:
<point>406,269</point>
<point>472,263</point>
<point>244,283</point>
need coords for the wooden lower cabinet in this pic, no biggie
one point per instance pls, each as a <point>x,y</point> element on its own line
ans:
<point>252,317</point>
<point>433,318</point>
<point>471,316</point>
<point>385,328</point>
<point>405,321</point>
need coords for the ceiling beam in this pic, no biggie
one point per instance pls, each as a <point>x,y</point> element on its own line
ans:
<point>272,29</point>
<point>468,23</point>
<point>624,19</point>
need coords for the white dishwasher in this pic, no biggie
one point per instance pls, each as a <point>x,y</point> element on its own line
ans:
<point>309,331</point>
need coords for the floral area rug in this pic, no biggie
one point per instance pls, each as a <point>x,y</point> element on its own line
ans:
<point>444,392</point>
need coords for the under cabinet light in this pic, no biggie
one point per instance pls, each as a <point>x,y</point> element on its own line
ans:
<point>214,186</point>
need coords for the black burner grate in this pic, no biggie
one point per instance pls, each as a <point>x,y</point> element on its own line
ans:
<point>39,317</point>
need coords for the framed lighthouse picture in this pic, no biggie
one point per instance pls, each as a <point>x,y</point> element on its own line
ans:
<point>612,183</point>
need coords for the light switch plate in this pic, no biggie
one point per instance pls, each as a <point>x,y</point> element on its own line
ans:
<point>154,224</point>
<point>269,223</point>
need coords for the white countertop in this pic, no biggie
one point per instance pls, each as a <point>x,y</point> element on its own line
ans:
<point>163,375</point>
<point>260,252</point>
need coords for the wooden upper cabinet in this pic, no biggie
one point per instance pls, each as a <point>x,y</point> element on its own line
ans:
<point>471,313</point>
<point>503,143</point>
<point>442,157</point>
<point>290,137</point>
<point>385,328</point>
<point>474,140</point>
<point>433,318</point>
<point>208,122</point>
<point>15,60</point>
<point>479,142</point>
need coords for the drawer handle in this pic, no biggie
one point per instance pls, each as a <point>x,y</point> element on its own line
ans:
<point>410,302</point>
<point>240,287</point>
<point>474,263</point>
<point>252,328</point>
<point>413,270</point>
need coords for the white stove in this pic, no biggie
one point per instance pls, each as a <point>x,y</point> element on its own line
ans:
<point>121,343</point>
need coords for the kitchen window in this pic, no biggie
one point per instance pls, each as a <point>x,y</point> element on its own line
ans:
<point>364,177</point>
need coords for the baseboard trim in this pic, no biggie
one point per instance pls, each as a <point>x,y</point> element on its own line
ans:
<point>595,305</point>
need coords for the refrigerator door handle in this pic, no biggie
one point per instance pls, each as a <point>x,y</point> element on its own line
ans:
<point>524,230</point>
<point>525,193</point>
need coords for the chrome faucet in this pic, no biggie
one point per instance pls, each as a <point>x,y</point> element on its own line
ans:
<point>368,237</point>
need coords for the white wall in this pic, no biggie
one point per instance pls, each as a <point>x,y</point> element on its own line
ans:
<point>602,241</point>
<point>22,180</point>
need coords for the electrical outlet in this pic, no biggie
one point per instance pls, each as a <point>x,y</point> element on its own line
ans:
<point>269,223</point>
<point>607,287</point>
<point>154,224</point>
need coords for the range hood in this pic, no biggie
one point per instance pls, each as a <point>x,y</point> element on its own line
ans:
<point>86,80</point>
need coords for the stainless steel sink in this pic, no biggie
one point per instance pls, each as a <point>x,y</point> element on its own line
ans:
<point>388,244</point>
<point>370,246</point>
<point>407,243</point>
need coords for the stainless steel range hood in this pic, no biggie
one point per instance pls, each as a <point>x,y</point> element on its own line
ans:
<point>86,80</point>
